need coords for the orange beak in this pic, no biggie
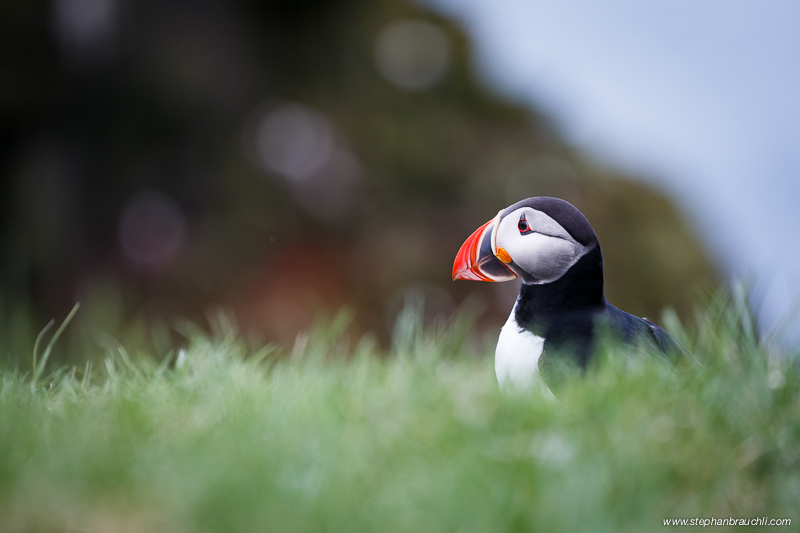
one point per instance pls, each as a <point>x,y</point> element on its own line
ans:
<point>475,259</point>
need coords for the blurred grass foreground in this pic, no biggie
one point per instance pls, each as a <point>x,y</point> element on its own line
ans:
<point>339,436</point>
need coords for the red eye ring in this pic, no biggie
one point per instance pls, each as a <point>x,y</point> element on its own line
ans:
<point>523,226</point>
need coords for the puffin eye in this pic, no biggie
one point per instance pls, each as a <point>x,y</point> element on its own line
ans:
<point>524,229</point>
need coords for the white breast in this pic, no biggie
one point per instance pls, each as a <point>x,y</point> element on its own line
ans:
<point>516,358</point>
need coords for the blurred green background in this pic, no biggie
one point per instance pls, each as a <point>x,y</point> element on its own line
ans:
<point>278,159</point>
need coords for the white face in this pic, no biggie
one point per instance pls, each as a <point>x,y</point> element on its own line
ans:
<point>537,244</point>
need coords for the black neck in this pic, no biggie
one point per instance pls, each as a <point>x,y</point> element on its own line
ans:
<point>580,289</point>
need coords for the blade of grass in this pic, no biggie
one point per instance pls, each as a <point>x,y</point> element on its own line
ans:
<point>38,369</point>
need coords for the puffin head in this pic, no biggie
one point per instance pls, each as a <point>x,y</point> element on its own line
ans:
<point>537,239</point>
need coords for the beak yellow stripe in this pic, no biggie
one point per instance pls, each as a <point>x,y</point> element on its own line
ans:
<point>502,255</point>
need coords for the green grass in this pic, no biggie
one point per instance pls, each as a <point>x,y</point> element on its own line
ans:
<point>336,436</point>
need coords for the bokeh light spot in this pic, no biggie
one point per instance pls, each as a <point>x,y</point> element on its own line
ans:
<point>300,144</point>
<point>293,140</point>
<point>86,29</point>
<point>412,54</point>
<point>152,228</point>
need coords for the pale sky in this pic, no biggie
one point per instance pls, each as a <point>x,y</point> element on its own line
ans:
<point>702,98</point>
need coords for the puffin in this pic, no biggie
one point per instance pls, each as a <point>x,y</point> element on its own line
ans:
<point>561,316</point>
